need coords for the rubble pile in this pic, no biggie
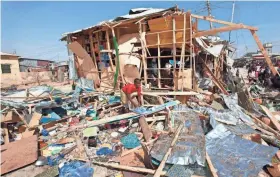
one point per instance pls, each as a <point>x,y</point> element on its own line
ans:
<point>86,133</point>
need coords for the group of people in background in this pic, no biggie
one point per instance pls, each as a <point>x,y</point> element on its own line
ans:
<point>262,74</point>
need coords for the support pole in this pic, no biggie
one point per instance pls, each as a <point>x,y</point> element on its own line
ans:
<point>266,57</point>
<point>109,48</point>
<point>159,75</point>
<point>143,55</point>
<point>174,45</point>
<point>92,49</point>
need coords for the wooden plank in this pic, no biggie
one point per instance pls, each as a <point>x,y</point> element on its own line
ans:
<point>143,55</point>
<point>174,44</point>
<point>18,154</point>
<point>109,48</point>
<point>92,49</point>
<point>266,57</point>
<point>35,119</point>
<point>165,23</point>
<point>271,116</point>
<point>211,166</point>
<point>125,116</point>
<point>218,30</point>
<point>84,62</point>
<point>159,75</point>
<point>169,93</point>
<point>6,137</point>
<point>27,133</point>
<point>162,163</point>
<point>221,21</point>
<point>22,118</point>
<point>216,82</point>
<point>10,117</point>
<point>127,168</point>
<point>145,129</point>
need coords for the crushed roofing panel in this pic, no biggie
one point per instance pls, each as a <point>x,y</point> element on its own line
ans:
<point>127,16</point>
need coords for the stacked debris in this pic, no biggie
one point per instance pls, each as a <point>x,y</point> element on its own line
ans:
<point>84,132</point>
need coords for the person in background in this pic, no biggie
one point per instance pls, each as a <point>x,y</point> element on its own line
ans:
<point>251,75</point>
<point>237,72</point>
<point>129,92</point>
<point>168,75</point>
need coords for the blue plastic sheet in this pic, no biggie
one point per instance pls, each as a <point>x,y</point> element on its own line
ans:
<point>52,161</point>
<point>114,99</point>
<point>130,141</point>
<point>104,151</point>
<point>233,156</point>
<point>76,169</point>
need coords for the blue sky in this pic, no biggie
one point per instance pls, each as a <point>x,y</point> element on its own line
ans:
<point>33,29</point>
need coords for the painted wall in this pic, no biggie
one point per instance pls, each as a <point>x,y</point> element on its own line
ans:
<point>8,79</point>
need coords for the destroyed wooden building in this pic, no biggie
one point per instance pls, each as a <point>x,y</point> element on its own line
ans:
<point>148,39</point>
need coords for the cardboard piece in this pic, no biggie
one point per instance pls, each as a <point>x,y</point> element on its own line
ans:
<point>35,119</point>
<point>84,63</point>
<point>19,153</point>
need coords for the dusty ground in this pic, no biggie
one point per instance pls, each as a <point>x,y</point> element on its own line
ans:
<point>28,171</point>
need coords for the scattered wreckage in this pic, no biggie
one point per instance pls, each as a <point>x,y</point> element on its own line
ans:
<point>204,124</point>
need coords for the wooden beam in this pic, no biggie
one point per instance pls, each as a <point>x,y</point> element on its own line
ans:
<point>156,94</point>
<point>271,116</point>
<point>92,50</point>
<point>218,30</point>
<point>143,55</point>
<point>221,21</point>
<point>128,168</point>
<point>266,57</point>
<point>174,43</point>
<point>159,75</point>
<point>211,166</point>
<point>162,163</point>
<point>109,48</point>
<point>216,81</point>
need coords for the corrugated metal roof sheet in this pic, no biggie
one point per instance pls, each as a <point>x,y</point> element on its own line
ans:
<point>147,11</point>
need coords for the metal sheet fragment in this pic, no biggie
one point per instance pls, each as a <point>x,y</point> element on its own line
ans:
<point>233,156</point>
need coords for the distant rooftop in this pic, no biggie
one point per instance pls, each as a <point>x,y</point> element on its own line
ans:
<point>8,54</point>
<point>24,58</point>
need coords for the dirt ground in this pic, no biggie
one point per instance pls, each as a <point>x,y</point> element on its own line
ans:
<point>27,171</point>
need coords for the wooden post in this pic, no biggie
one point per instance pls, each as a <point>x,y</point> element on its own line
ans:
<point>182,61</point>
<point>143,55</point>
<point>92,49</point>
<point>6,137</point>
<point>159,75</point>
<point>211,166</point>
<point>174,43</point>
<point>162,164</point>
<point>266,57</point>
<point>109,48</point>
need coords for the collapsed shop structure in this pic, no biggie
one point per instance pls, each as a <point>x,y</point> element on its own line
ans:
<point>146,35</point>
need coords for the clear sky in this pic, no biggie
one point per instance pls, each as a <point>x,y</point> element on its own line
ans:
<point>33,29</point>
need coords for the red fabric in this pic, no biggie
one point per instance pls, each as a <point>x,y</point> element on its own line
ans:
<point>130,88</point>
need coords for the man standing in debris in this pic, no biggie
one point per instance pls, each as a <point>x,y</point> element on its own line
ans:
<point>131,91</point>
